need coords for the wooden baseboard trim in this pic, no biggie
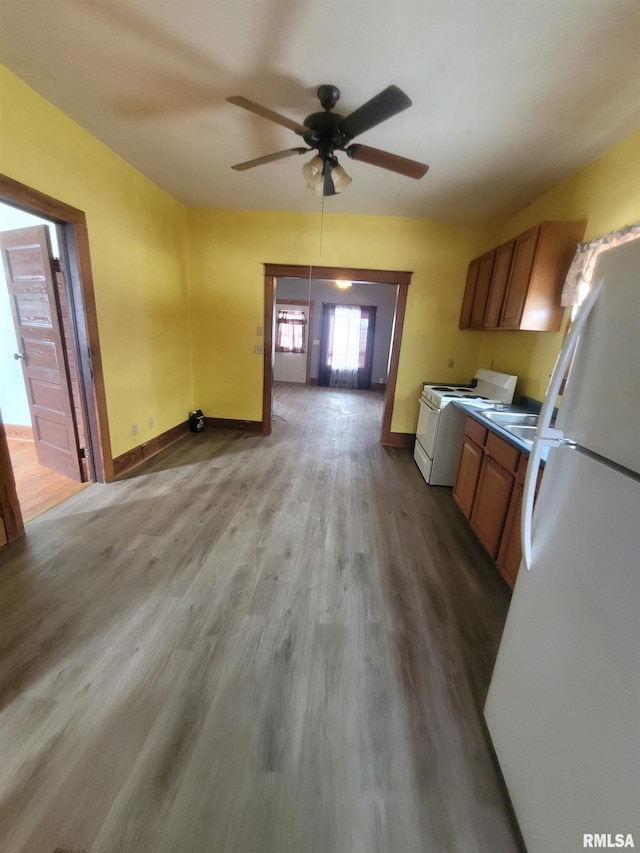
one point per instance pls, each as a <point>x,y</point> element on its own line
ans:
<point>138,454</point>
<point>25,433</point>
<point>398,439</point>
<point>231,423</point>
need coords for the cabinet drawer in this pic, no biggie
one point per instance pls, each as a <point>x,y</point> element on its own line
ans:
<point>476,431</point>
<point>502,452</point>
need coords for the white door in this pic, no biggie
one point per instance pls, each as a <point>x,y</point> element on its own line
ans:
<point>292,366</point>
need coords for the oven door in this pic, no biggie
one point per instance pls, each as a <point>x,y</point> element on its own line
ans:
<point>427,430</point>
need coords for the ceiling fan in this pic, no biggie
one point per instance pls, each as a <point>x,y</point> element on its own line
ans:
<point>327,132</point>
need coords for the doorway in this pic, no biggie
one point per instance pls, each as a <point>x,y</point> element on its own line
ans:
<point>43,412</point>
<point>400,280</point>
<point>28,485</point>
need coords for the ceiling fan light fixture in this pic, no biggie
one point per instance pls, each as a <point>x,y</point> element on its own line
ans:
<point>340,178</point>
<point>316,189</point>
<point>312,172</point>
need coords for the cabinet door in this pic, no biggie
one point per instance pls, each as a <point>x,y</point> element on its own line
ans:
<point>498,287</point>
<point>481,294</point>
<point>469,466</point>
<point>519,278</point>
<point>469,293</point>
<point>510,551</point>
<point>495,485</point>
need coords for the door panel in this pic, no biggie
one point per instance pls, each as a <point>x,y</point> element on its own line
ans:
<point>27,261</point>
<point>292,366</point>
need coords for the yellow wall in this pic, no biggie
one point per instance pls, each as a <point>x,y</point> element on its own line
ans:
<point>606,194</point>
<point>137,237</point>
<point>227,250</point>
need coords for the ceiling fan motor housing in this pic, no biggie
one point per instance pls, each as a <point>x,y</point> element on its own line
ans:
<point>324,132</point>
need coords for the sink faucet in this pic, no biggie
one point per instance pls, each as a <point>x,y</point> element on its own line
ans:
<point>499,407</point>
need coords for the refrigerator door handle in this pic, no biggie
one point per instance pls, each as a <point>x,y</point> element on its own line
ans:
<point>546,436</point>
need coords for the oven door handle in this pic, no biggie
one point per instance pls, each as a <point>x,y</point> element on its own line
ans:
<point>429,404</point>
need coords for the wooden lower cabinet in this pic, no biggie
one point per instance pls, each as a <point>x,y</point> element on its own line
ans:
<point>510,551</point>
<point>469,466</point>
<point>491,503</point>
<point>488,490</point>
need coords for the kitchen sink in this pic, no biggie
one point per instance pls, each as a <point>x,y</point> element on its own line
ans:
<point>524,433</point>
<point>512,419</point>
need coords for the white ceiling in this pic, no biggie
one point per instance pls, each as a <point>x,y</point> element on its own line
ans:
<point>509,96</point>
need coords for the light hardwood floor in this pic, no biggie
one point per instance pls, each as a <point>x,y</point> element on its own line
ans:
<point>39,488</point>
<point>253,645</point>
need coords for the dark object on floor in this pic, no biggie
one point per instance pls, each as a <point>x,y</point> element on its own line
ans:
<point>196,421</point>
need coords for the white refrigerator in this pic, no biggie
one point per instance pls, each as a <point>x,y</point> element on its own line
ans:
<point>563,708</point>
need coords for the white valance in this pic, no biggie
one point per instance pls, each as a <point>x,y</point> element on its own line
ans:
<point>578,279</point>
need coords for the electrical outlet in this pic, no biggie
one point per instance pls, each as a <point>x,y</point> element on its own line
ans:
<point>260,331</point>
<point>150,423</point>
<point>134,429</point>
<point>259,349</point>
<point>381,380</point>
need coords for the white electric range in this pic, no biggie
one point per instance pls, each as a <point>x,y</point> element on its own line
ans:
<point>441,426</point>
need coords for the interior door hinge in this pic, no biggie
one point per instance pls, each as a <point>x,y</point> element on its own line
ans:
<point>83,453</point>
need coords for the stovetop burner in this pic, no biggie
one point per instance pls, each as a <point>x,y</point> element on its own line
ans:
<point>486,387</point>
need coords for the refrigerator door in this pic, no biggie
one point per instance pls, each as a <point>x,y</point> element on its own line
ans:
<point>563,708</point>
<point>600,408</point>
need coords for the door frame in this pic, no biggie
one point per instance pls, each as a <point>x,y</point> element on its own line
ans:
<point>397,278</point>
<point>76,260</point>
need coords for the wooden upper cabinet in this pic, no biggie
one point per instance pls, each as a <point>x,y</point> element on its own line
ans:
<point>469,292</point>
<point>525,283</point>
<point>498,287</point>
<point>519,279</point>
<point>481,294</point>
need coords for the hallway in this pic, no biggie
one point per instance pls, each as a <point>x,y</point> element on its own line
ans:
<point>253,645</point>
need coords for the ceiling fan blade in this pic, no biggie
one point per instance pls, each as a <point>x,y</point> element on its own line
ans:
<point>269,158</point>
<point>392,162</point>
<point>385,104</point>
<point>252,107</point>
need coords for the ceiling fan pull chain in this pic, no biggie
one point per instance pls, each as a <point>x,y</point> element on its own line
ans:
<point>321,224</point>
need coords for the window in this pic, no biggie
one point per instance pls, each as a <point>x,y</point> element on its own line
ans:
<point>346,346</point>
<point>291,331</point>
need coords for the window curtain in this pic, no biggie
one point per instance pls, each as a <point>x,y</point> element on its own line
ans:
<point>578,279</point>
<point>291,331</point>
<point>346,346</point>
